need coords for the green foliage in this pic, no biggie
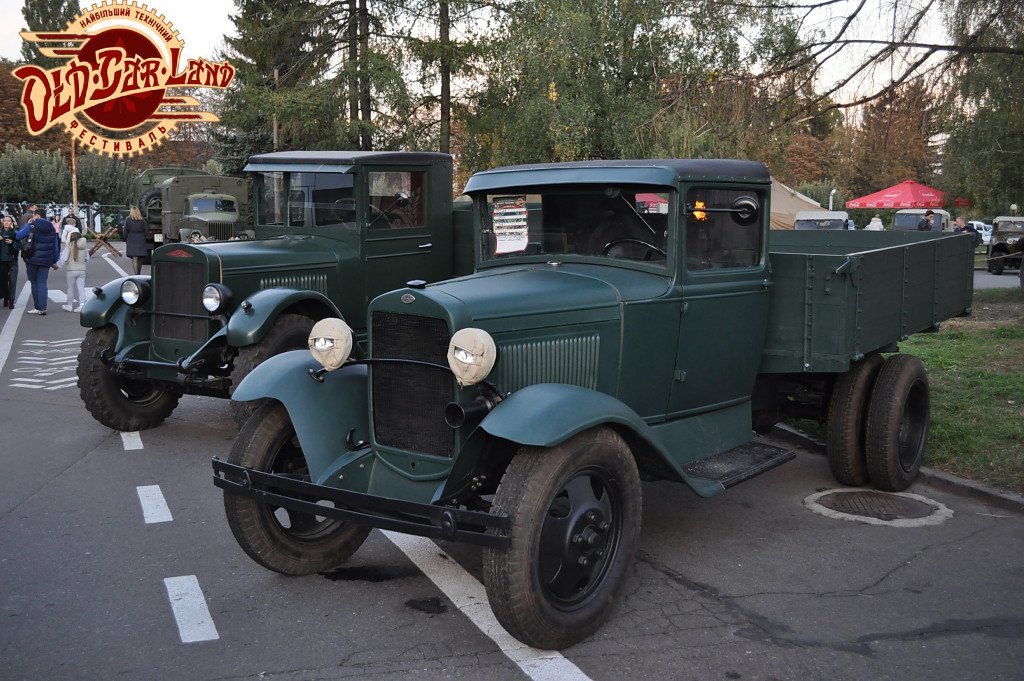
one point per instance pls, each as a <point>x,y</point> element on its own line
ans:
<point>34,176</point>
<point>103,180</point>
<point>46,15</point>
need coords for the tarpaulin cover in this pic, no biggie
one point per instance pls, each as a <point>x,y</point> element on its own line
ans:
<point>906,194</point>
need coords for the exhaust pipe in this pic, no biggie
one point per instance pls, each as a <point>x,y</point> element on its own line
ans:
<point>456,415</point>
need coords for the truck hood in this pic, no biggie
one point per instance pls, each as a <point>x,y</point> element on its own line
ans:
<point>261,255</point>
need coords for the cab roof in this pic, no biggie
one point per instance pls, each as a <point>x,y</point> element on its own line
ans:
<point>667,172</point>
<point>339,161</point>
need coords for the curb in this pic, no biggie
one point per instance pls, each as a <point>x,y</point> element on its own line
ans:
<point>932,476</point>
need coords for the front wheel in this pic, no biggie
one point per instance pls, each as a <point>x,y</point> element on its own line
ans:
<point>118,402</point>
<point>284,541</point>
<point>289,332</point>
<point>996,265</point>
<point>575,513</point>
<point>897,426</point>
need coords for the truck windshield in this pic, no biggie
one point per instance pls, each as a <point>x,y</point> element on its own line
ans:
<point>1010,226</point>
<point>311,199</point>
<point>908,221</point>
<point>820,224</point>
<point>269,192</point>
<point>213,206</point>
<point>629,222</point>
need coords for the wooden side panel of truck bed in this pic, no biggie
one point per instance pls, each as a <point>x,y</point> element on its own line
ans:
<point>836,296</point>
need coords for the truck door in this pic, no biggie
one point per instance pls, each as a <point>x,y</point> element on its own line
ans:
<point>404,236</point>
<point>725,298</point>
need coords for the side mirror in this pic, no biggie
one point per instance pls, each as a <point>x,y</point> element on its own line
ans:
<point>745,210</point>
<point>401,200</point>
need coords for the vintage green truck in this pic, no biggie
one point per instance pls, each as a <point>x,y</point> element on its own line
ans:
<point>334,230</point>
<point>597,344</point>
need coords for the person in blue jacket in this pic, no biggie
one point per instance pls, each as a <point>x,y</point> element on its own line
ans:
<point>45,254</point>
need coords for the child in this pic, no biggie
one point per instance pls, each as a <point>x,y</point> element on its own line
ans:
<point>75,255</point>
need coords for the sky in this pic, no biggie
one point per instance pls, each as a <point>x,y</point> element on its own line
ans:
<point>200,23</point>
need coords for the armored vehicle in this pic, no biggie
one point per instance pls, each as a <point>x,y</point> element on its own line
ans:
<point>1006,246</point>
<point>596,344</point>
<point>334,230</point>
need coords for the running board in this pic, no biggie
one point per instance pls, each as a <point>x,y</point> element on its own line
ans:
<point>732,467</point>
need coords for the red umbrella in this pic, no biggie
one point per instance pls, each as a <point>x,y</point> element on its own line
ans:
<point>906,194</point>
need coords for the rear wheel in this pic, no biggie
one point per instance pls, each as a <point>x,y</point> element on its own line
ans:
<point>290,332</point>
<point>119,402</point>
<point>284,541</point>
<point>847,410</point>
<point>996,265</point>
<point>897,425</point>
<point>575,513</point>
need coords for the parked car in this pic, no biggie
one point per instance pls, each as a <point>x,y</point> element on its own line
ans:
<point>1006,248</point>
<point>821,219</point>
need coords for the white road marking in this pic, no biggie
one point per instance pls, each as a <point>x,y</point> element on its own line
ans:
<point>117,268</point>
<point>56,295</point>
<point>64,383</point>
<point>131,440</point>
<point>19,385</point>
<point>190,610</point>
<point>469,596</point>
<point>11,325</point>
<point>154,506</point>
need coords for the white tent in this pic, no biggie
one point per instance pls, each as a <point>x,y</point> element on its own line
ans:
<point>785,204</point>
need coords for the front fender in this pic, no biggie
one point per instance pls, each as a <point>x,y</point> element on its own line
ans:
<point>102,307</point>
<point>324,414</point>
<point>246,327</point>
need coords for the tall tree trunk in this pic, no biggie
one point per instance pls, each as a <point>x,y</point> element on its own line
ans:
<point>365,140</point>
<point>353,75</point>
<point>446,76</point>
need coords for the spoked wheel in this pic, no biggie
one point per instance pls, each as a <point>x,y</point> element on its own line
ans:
<point>847,413</point>
<point>281,540</point>
<point>575,512</point>
<point>119,402</point>
<point>897,426</point>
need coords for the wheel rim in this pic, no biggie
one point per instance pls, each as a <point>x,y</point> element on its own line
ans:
<point>578,539</point>
<point>139,392</point>
<point>288,461</point>
<point>913,427</point>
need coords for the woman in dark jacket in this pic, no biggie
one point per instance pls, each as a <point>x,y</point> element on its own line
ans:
<point>9,247</point>
<point>45,254</point>
<point>135,231</point>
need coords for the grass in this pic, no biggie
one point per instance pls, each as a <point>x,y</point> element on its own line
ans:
<point>976,370</point>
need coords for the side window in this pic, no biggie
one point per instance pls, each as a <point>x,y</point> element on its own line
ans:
<point>723,228</point>
<point>396,200</point>
<point>269,194</point>
<point>299,189</point>
<point>333,202</point>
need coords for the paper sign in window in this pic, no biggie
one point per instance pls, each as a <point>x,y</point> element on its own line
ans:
<point>509,219</point>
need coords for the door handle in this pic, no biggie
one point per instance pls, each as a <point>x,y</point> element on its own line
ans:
<point>424,245</point>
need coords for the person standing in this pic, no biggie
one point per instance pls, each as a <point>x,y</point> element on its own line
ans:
<point>136,231</point>
<point>925,225</point>
<point>9,247</point>
<point>29,215</point>
<point>45,253</point>
<point>74,256</point>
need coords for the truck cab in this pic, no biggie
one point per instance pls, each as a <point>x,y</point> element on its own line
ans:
<point>333,230</point>
<point>205,208</point>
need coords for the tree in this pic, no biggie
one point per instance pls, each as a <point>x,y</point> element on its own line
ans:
<point>38,176</point>
<point>46,15</point>
<point>103,180</point>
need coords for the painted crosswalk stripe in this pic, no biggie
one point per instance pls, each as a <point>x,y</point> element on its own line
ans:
<point>131,440</point>
<point>190,610</point>
<point>469,596</point>
<point>154,506</point>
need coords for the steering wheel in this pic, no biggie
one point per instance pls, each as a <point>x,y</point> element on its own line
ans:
<point>651,248</point>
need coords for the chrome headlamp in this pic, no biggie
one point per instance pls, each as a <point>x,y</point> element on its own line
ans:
<point>216,298</point>
<point>134,292</point>
<point>330,342</point>
<point>471,355</point>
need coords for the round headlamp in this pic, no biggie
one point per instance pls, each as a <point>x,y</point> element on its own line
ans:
<point>134,292</point>
<point>216,298</point>
<point>330,342</point>
<point>471,355</point>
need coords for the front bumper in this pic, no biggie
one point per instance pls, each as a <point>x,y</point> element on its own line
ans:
<point>425,520</point>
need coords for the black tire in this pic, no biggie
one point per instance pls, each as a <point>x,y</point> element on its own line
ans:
<point>115,401</point>
<point>996,265</point>
<point>151,200</point>
<point>281,540</point>
<point>847,409</point>
<point>289,332</point>
<point>897,425</point>
<point>579,500</point>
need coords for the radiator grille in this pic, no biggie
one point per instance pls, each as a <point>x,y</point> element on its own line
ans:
<point>178,290</point>
<point>222,231</point>
<point>409,400</point>
<point>313,281</point>
<point>572,361</point>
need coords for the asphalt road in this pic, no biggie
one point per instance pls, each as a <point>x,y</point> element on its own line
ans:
<point>747,585</point>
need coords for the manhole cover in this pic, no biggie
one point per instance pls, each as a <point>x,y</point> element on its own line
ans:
<point>896,509</point>
<point>876,505</point>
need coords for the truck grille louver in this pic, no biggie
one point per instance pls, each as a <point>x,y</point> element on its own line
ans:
<point>572,361</point>
<point>178,301</point>
<point>409,400</point>
<point>309,282</point>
